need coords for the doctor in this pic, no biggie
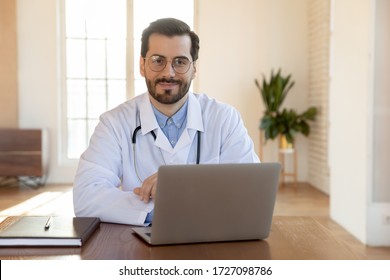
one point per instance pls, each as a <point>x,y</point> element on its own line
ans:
<point>116,177</point>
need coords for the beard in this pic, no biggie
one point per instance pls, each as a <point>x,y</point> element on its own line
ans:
<point>168,96</point>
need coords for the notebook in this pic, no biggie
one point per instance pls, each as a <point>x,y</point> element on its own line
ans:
<point>47,231</point>
<point>212,202</point>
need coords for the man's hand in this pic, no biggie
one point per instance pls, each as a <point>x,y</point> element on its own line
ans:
<point>148,188</point>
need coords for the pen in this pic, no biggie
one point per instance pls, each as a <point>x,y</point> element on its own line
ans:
<point>48,223</point>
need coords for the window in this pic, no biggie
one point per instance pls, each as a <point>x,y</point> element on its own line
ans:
<point>95,59</point>
<point>95,66</point>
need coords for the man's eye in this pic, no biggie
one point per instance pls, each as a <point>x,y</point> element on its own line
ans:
<point>181,61</point>
<point>158,60</point>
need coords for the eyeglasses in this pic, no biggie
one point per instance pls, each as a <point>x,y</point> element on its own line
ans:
<point>157,63</point>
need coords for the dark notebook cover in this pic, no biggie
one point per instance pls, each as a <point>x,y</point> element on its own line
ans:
<point>31,231</point>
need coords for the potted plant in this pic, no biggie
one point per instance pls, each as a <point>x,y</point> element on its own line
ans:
<point>276,122</point>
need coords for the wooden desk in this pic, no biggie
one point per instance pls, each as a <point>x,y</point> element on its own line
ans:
<point>297,238</point>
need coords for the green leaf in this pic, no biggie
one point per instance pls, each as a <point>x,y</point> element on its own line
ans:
<point>289,138</point>
<point>287,121</point>
<point>304,128</point>
<point>310,114</point>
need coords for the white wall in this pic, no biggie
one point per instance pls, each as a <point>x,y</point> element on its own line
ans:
<point>349,130</point>
<point>378,230</point>
<point>351,123</point>
<point>381,191</point>
<point>240,40</point>
<point>39,95</point>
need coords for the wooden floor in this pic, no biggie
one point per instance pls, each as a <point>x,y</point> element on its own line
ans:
<point>303,201</point>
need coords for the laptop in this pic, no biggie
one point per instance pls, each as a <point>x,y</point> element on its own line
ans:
<point>212,203</point>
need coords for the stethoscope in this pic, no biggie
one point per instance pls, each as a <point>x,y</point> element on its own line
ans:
<point>134,140</point>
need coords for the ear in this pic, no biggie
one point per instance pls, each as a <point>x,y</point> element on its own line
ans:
<point>142,66</point>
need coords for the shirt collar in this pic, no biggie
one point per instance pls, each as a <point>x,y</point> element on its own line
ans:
<point>194,114</point>
<point>178,118</point>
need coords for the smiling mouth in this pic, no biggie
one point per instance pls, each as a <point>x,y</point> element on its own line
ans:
<point>167,86</point>
<point>168,82</point>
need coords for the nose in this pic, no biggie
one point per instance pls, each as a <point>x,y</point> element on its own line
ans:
<point>169,70</point>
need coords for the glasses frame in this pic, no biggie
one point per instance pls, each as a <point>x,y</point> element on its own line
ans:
<point>166,63</point>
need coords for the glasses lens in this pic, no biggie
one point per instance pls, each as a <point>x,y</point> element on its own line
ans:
<point>157,63</point>
<point>181,64</point>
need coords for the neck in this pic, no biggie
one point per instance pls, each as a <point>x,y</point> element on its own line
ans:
<point>168,109</point>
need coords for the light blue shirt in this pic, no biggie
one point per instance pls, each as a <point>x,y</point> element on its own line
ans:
<point>173,126</point>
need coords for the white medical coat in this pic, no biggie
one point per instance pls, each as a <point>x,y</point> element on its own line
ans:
<point>106,177</point>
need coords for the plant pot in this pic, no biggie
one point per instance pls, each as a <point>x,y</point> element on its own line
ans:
<point>283,144</point>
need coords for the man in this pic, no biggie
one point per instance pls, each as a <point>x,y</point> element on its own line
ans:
<point>116,178</point>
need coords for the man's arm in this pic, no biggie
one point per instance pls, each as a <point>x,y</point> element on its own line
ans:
<point>97,183</point>
<point>236,145</point>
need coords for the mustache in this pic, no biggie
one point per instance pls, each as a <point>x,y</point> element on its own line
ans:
<point>164,80</point>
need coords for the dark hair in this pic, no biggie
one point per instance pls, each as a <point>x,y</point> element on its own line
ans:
<point>170,27</point>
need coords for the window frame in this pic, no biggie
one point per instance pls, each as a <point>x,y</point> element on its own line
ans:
<point>62,139</point>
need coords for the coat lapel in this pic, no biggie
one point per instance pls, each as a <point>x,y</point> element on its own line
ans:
<point>179,154</point>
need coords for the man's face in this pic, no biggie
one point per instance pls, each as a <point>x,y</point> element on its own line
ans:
<point>168,86</point>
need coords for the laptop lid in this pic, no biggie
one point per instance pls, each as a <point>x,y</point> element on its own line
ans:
<point>213,202</point>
